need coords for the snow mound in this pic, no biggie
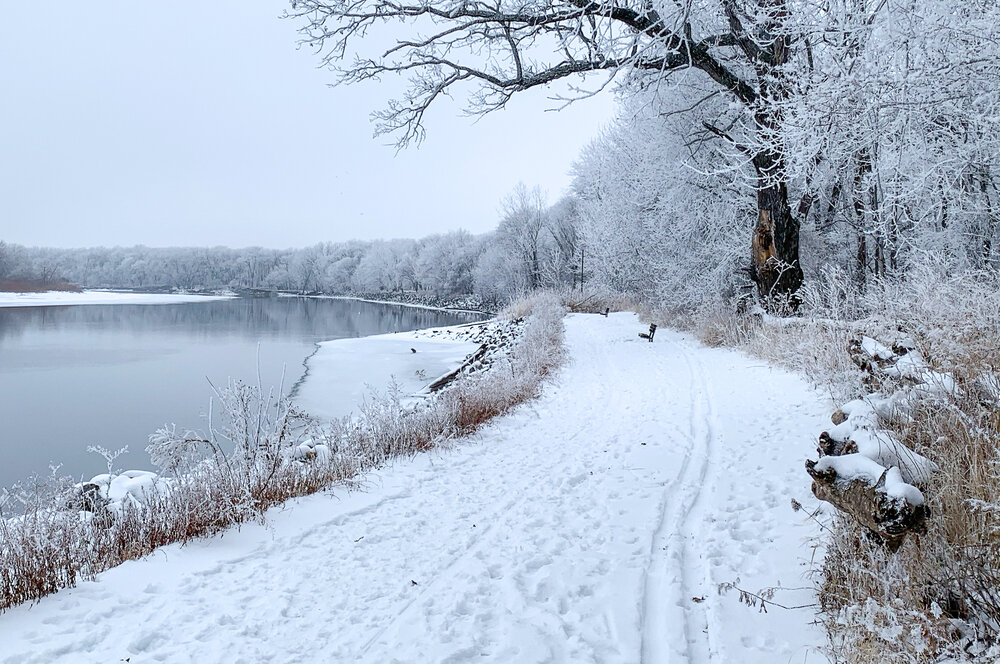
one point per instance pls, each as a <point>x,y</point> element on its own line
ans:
<point>132,488</point>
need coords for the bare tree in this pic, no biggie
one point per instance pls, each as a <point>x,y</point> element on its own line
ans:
<point>521,230</point>
<point>503,47</point>
<point>5,261</point>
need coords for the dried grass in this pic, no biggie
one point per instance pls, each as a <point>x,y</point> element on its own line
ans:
<point>939,595</point>
<point>597,301</point>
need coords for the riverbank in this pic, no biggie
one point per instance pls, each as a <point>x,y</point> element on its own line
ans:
<point>458,303</point>
<point>342,373</point>
<point>235,473</point>
<point>596,523</point>
<point>154,365</point>
<point>461,304</point>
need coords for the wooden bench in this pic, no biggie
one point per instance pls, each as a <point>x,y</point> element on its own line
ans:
<point>651,334</point>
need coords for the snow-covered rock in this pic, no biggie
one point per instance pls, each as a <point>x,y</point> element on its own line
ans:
<point>133,488</point>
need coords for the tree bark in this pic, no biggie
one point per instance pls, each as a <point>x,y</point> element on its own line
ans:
<point>775,266</point>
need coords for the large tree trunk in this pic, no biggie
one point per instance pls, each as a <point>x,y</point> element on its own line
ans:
<point>775,266</point>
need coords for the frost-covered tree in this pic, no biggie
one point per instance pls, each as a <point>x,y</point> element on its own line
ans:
<point>658,219</point>
<point>385,266</point>
<point>444,263</point>
<point>891,138</point>
<point>742,49</point>
<point>6,260</point>
<point>522,232</point>
<point>895,133</point>
<point>534,246</point>
<point>304,269</point>
<point>341,264</point>
<point>496,278</point>
<point>561,258</point>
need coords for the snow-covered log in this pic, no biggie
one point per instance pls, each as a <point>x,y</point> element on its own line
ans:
<point>876,497</point>
<point>858,423</point>
<point>864,470</point>
<point>860,432</point>
<point>469,362</point>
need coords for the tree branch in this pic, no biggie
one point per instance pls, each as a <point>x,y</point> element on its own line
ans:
<point>590,36</point>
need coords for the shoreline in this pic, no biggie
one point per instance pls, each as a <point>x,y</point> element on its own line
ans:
<point>398,303</point>
<point>94,296</point>
<point>342,374</point>
<point>102,296</point>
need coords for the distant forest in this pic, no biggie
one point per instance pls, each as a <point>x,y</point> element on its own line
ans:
<point>534,246</point>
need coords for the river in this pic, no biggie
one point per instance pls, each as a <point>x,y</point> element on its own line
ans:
<point>110,375</point>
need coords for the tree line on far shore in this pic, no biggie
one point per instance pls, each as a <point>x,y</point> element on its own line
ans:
<point>534,246</point>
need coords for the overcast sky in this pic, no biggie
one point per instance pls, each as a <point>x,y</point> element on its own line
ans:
<point>200,123</point>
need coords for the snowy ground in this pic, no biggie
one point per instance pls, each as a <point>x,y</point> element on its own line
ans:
<point>591,525</point>
<point>64,298</point>
<point>343,372</point>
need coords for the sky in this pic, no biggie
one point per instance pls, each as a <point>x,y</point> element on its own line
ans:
<point>202,123</point>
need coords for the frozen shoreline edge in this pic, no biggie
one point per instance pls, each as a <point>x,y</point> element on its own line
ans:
<point>401,304</point>
<point>443,349</point>
<point>105,297</point>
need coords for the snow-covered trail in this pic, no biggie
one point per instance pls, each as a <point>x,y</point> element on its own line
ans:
<point>594,524</point>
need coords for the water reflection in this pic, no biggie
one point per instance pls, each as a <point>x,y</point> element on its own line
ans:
<point>255,317</point>
<point>110,375</point>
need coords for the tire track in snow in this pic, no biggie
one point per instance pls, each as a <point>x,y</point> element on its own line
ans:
<point>667,588</point>
<point>678,571</point>
<point>656,615</point>
<point>696,568</point>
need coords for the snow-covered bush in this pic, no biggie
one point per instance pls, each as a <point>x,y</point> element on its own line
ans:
<point>243,460</point>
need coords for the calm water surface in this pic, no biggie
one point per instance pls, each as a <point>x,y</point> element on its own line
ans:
<point>111,375</point>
